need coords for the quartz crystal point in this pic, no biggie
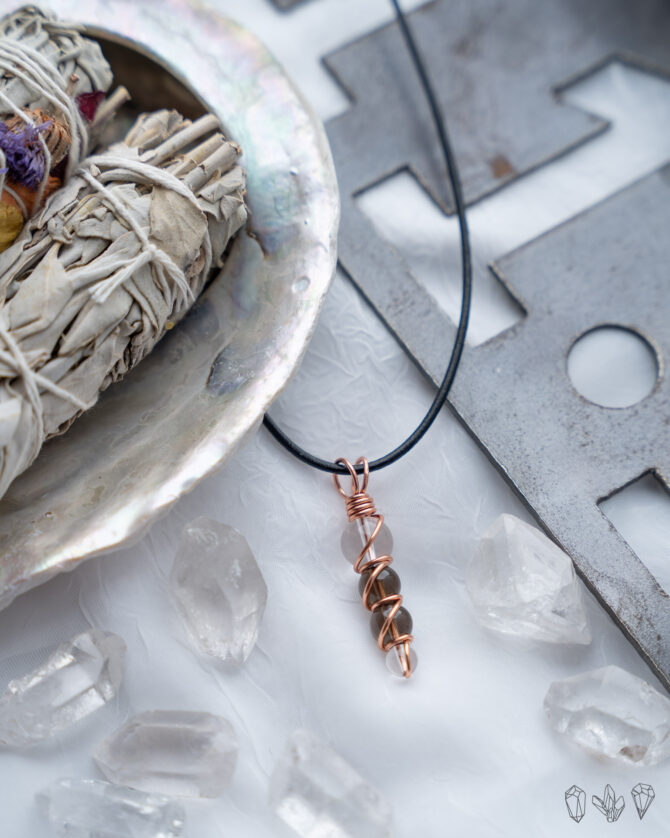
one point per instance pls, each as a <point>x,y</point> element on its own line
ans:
<point>317,793</point>
<point>575,800</point>
<point>611,713</point>
<point>79,678</point>
<point>643,796</point>
<point>609,804</point>
<point>173,752</point>
<point>218,590</point>
<point>95,809</point>
<point>521,583</point>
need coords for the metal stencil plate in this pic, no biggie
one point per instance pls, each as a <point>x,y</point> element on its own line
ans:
<point>499,68</point>
<point>563,453</point>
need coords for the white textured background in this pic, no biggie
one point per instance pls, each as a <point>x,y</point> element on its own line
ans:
<point>463,749</point>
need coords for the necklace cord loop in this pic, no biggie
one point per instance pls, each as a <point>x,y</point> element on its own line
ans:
<point>358,504</point>
<point>466,294</point>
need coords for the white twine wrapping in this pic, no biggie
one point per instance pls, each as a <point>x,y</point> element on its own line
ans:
<point>140,172</point>
<point>32,381</point>
<point>126,171</point>
<point>111,261</point>
<point>44,78</point>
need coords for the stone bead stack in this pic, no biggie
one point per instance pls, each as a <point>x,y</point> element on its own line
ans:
<point>380,590</point>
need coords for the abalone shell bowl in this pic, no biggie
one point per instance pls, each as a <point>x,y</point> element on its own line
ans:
<point>185,408</point>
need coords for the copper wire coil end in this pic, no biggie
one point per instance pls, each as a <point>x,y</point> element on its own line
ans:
<point>379,585</point>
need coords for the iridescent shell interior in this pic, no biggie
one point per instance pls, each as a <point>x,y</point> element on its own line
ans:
<point>206,386</point>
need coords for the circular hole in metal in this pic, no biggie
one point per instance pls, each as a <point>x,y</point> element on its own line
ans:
<point>613,366</point>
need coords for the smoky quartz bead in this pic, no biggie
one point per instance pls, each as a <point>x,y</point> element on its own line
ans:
<point>402,621</point>
<point>388,579</point>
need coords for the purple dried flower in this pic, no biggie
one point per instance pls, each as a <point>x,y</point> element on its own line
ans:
<point>23,153</point>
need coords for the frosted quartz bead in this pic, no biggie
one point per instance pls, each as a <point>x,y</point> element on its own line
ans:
<point>95,809</point>
<point>171,752</point>
<point>395,657</point>
<point>218,590</point>
<point>80,677</point>
<point>356,535</point>
<point>319,795</point>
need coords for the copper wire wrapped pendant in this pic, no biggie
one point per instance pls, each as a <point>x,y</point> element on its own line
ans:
<point>379,584</point>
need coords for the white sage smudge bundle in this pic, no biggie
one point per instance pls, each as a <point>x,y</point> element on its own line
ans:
<point>52,88</point>
<point>116,257</point>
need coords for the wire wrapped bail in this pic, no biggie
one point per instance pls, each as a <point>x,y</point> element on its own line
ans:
<point>380,586</point>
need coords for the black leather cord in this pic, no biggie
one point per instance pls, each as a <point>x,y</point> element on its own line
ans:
<point>466,260</point>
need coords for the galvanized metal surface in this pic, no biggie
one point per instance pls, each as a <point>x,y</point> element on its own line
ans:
<point>208,383</point>
<point>563,453</point>
<point>498,69</point>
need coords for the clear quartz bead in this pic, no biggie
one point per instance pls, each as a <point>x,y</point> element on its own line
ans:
<point>395,659</point>
<point>356,535</point>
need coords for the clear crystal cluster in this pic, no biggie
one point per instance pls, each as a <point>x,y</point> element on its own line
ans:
<point>171,752</point>
<point>319,795</point>
<point>643,796</point>
<point>79,678</point>
<point>218,590</point>
<point>611,713</point>
<point>575,800</point>
<point>95,809</point>
<point>609,804</point>
<point>521,583</point>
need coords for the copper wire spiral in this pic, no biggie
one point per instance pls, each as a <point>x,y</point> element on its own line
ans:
<point>360,505</point>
